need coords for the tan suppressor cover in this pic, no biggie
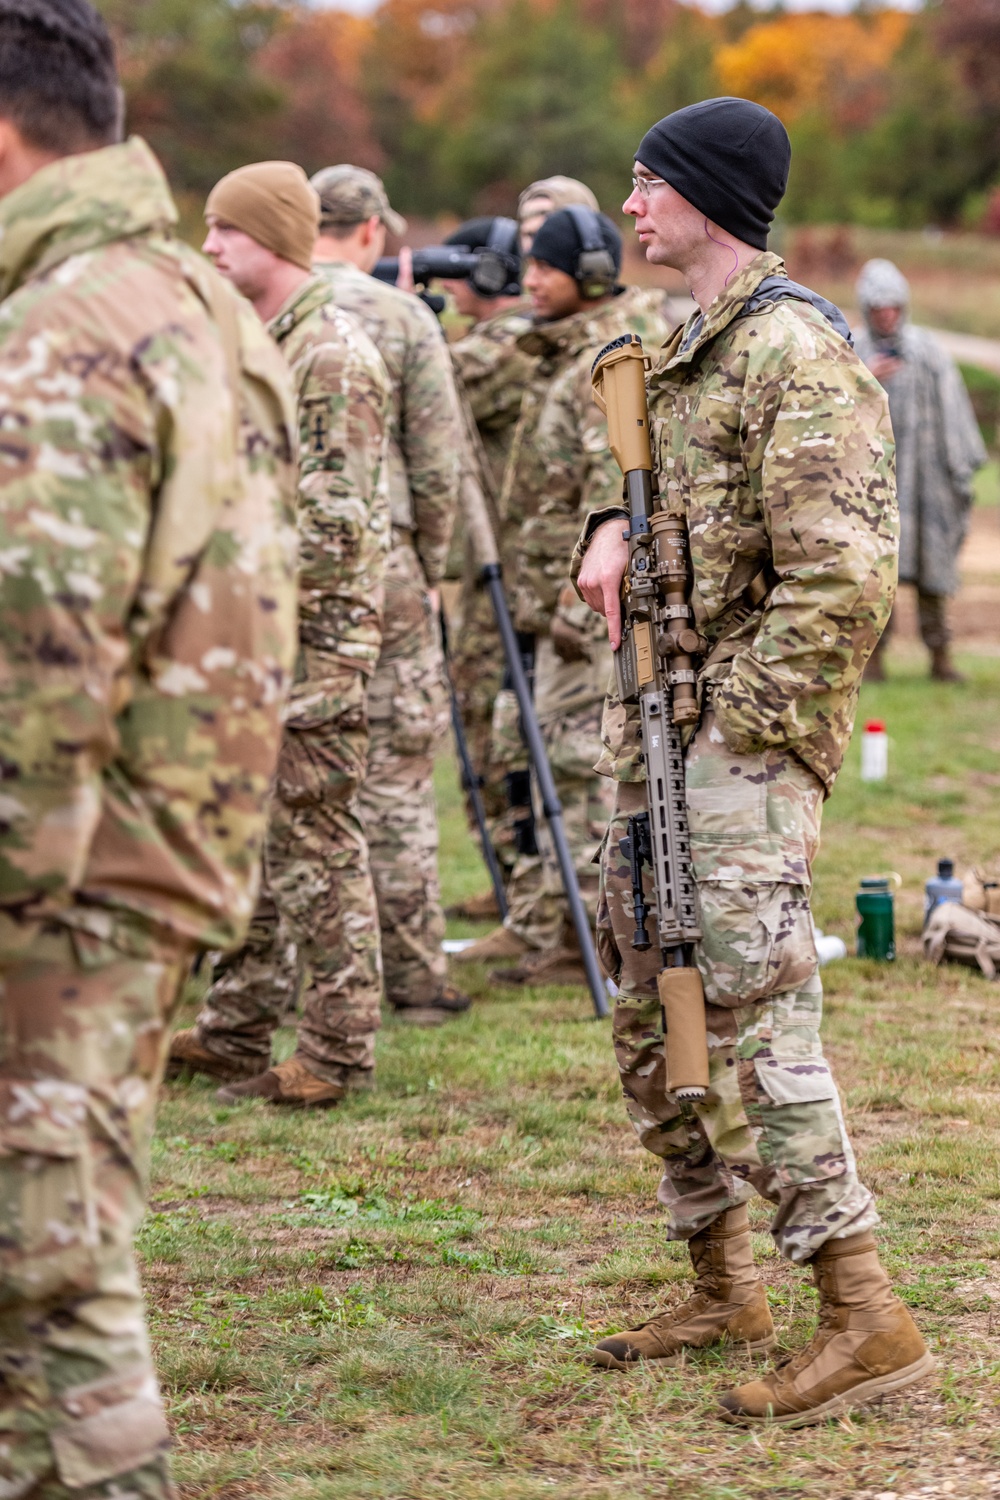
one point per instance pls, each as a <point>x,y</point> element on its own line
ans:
<point>619,380</point>
<point>683,999</point>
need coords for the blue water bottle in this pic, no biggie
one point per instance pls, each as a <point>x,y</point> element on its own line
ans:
<point>944,886</point>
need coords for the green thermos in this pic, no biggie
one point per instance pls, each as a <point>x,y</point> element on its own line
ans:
<point>876,927</point>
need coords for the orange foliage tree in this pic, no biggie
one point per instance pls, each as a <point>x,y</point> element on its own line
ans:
<point>837,66</point>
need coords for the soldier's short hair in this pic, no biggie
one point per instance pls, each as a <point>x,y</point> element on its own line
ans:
<point>58,80</point>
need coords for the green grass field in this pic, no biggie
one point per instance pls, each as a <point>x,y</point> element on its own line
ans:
<point>394,1299</point>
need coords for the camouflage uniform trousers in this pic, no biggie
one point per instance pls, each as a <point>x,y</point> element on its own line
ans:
<point>571,731</point>
<point>477,672</point>
<point>85,1030</point>
<point>318,900</point>
<point>772,1120</point>
<point>408,714</point>
<point>932,619</point>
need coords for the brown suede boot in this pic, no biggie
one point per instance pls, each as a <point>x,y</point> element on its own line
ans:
<point>943,669</point>
<point>553,966</point>
<point>728,1303</point>
<point>482,908</point>
<point>451,1002</point>
<point>289,1083</point>
<point>499,944</point>
<point>866,1345</point>
<point>188,1053</point>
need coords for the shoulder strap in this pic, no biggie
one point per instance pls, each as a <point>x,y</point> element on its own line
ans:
<point>779,289</point>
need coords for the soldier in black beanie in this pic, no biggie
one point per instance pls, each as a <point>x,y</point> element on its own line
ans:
<point>772,441</point>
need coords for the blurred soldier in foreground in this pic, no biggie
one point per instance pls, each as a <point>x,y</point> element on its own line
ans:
<point>407,704</point>
<point>148,607</point>
<point>559,469</point>
<point>318,892</point>
<point>773,441</point>
<point>938,450</point>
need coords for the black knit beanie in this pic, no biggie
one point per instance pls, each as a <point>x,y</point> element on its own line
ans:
<point>558,240</point>
<point>727,157</point>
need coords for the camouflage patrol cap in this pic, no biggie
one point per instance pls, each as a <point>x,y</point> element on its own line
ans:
<point>348,195</point>
<point>558,192</point>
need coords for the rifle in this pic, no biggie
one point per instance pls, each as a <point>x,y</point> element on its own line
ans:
<point>654,668</point>
<point>483,539</point>
<point>471,782</point>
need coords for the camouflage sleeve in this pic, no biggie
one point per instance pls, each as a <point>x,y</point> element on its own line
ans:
<point>582,478</point>
<point>431,439</point>
<point>343,508</point>
<point>819,451</point>
<point>494,373</point>
<point>147,606</point>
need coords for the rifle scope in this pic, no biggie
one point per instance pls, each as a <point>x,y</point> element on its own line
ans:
<point>491,272</point>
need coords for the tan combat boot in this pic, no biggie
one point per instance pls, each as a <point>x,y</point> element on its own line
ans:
<point>501,943</point>
<point>451,1002</point>
<point>187,1052</point>
<point>289,1083</point>
<point>552,966</point>
<point>866,1345</point>
<point>728,1304</point>
<point>482,908</point>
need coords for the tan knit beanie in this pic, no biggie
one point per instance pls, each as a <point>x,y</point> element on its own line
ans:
<point>273,203</point>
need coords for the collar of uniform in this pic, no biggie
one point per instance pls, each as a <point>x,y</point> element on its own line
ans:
<point>79,203</point>
<point>316,292</point>
<point>701,328</point>
<point>580,330</point>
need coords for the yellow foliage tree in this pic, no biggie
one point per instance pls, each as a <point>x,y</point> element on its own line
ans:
<point>836,66</point>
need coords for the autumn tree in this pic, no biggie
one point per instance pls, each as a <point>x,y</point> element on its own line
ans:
<point>191,82</point>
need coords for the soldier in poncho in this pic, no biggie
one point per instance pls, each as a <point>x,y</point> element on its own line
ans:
<point>938,450</point>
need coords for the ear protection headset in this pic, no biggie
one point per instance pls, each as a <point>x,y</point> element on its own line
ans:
<point>595,267</point>
<point>497,271</point>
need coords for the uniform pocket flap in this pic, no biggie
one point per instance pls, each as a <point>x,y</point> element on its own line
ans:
<point>794,1080</point>
<point>116,1425</point>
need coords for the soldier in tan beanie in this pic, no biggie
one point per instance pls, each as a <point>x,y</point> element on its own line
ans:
<point>317,884</point>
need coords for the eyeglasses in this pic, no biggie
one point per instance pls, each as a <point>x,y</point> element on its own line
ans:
<point>643,185</point>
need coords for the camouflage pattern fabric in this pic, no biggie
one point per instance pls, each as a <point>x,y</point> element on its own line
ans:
<point>408,714</point>
<point>148,624</point>
<point>772,1121</point>
<point>82,1413</point>
<point>560,468</point>
<point>797,478</point>
<point>425,442</point>
<point>318,897</point>
<point>317,911</point>
<point>772,439</point>
<point>408,699</point>
<point>492,372</point>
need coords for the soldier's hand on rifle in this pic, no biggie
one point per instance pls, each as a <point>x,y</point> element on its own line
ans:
<point>601,575</point>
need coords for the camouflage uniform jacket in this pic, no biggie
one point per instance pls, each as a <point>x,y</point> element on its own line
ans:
<point>425,441</point>
<point>774,440</point>
<point>493,373</point>
<point>147,583</point>
<point>561,468</point>
<point>344,530</point>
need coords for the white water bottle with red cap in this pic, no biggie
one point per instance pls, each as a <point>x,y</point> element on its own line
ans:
<point>874,751</point>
